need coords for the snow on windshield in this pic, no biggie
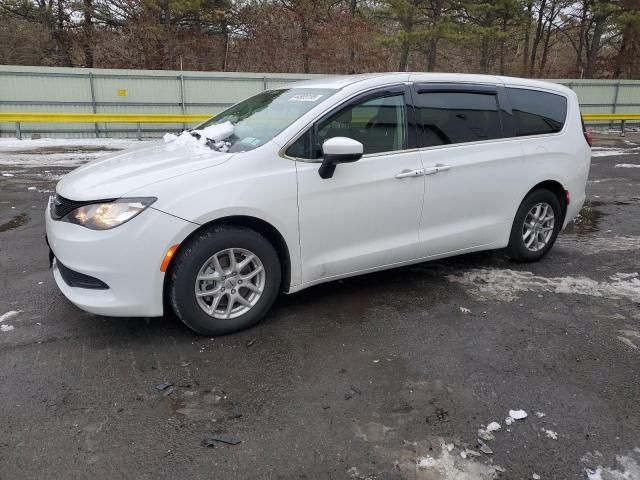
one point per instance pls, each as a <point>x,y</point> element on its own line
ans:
<point>213,135</point>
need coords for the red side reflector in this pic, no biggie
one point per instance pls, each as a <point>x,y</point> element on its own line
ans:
<point>567,196</point>
<point>167,258</point>
<point>589,138</point>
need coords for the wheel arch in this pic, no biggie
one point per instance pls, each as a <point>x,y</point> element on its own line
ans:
<point>261,226</point>
<point>557,189</point>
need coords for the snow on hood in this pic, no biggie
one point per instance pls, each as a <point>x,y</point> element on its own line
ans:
<point>114,176</point>
<point>199,138</point>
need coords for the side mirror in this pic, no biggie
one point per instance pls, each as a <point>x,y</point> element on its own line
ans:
<point>338,150</point>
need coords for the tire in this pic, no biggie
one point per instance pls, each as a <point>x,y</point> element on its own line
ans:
<point>518,249</point>
<point>196,272</point>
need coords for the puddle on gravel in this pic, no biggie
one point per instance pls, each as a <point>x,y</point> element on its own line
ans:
<point>588,220</point>
<point>15,222</point>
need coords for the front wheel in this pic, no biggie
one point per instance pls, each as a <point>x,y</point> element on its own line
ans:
<point>535,227</point>
<point>224,279</point>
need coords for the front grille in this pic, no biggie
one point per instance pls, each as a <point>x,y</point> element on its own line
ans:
<point>80,280</point>
<point>63,206</point>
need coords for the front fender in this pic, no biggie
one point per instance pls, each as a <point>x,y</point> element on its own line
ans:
<point>260,184</point>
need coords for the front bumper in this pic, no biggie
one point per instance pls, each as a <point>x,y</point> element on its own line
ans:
<point>126,258</point>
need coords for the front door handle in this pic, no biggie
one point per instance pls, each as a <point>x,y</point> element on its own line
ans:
<point>436,169</point>
<point>410,173</point>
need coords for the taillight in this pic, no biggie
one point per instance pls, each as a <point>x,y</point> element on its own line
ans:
<point>589,138</point>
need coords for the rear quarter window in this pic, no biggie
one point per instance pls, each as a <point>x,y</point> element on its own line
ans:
<point>536,112</point>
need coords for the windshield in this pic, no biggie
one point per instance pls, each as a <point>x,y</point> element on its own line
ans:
<point>260,118</point>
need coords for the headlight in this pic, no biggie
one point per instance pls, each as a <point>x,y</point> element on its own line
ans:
<point>103,216</point>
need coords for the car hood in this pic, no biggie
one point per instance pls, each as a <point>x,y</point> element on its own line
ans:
<point>116,175</point>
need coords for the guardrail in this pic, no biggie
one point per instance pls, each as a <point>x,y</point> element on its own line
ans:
<point>612,117</point>
<point>31,117</point>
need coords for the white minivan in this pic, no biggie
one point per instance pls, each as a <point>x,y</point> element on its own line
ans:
<point>317,181</point>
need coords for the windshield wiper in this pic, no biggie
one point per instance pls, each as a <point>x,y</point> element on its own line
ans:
<point>209,142</point>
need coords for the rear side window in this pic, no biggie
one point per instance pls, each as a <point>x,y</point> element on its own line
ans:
<point>457,117</point>
<point>537,113</point>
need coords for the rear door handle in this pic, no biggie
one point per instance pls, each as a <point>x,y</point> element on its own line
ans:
<point>410,173</point>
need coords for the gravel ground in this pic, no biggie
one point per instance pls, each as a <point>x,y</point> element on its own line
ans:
<point>385,376</point>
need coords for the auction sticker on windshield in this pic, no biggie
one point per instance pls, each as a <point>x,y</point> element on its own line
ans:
<point>306,97</point>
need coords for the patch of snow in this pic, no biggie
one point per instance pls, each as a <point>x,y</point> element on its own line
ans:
<point>426,462</point>
<point>627,467</point>
<point>518,414</point>
<point>623,276</point>
<point>535,476</point>
<point>627,165</point>
<point>447,466</point>
<point>169,137</point>
<point>32,188</point>
<point>631,338</point>
<point>218,132</point>
<point>550,434</point>
<point>595,245</point>
<point>610,152</point>
<point>13,144</point>
<point>215,133</point>
<point>506,285</point>
<point>6,316</point>
<point>541,414</point>
<point>602,180</point>
<point>485,435</point>
<point>63,152</point>
<point>6,328</point>
<point>493,427</point>
<point>8,175</point>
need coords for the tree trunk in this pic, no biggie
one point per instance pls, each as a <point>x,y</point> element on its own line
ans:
<point>436,19</point>
<point>59,37</point>
<point>594,48</point>
<point>305,36</point>
<point>622,55</point>
<point>432,56</point>
<point>484,55</point>
<point>582,34</point>
<point>405,44</point>
<point>353,7</point>
<point>87,30</point>
<point>225,44</point>
<point>527,35</point>
<point>537,38</point>
<point>547,37</point>
<point>502,42</point>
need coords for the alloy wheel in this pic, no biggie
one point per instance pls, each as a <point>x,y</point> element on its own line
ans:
<point>230,283</point>
<point>538,227</point>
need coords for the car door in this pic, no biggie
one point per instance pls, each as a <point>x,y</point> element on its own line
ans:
<point>472,167</point>
<point>366,215</point>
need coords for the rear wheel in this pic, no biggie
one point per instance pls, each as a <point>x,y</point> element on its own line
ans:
<point>225,279</point>
<point>535,227</point>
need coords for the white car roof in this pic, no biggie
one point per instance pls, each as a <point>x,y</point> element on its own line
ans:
<point>374,79</point>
